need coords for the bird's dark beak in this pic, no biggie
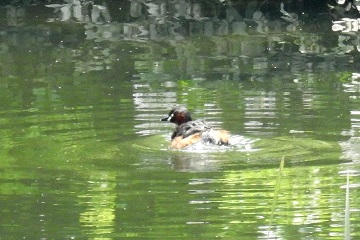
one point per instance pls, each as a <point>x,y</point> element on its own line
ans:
<point>165,119</point>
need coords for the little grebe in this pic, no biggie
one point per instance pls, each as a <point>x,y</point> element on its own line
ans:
<point>188,132</point>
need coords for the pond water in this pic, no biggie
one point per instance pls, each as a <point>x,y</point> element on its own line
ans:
<point>84,155</point>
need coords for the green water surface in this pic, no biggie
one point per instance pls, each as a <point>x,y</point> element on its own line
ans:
<point>83,154</point>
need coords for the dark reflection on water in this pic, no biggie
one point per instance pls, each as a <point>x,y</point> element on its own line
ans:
<point>84,155</point>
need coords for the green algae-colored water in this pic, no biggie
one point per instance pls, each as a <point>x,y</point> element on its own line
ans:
<point>83,154</point>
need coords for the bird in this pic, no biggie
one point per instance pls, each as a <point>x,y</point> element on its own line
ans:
<point>189,132</point>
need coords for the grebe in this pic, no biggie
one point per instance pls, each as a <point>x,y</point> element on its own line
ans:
<point>189,132</point>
